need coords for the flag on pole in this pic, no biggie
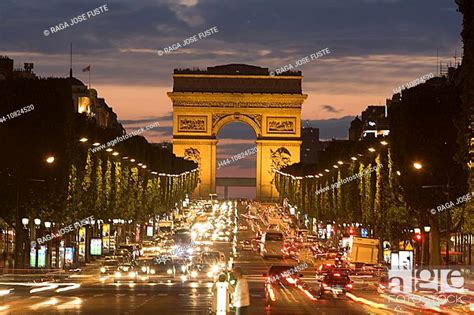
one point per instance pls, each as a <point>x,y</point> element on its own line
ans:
<point>88,68</point>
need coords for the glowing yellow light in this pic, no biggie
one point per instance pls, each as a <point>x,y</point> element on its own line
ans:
<point>50,159</point>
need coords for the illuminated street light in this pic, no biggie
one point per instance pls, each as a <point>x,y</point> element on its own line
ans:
<point>417,165</point>
<point>399,173</point>
<point>326,170</point>
<point>50,159</point>
<point>25,221</point>
<point>83,139</point>
<point>132,160</point>
<point>371,149</point>
<point>108,150</point>
<point>353,158</point>
<point>47,224</point>
<point>417,230</point>
<point>96,144</point>
<point>143,166</point>
<point>383,142</point>
<point>125,158</point>
<point>37,221</point>
<point>320,174</point>
<point>115,153</point>
<point>140,164</point>
<point>335,166</point>
<point>427,228</point>
<point>340,162</point>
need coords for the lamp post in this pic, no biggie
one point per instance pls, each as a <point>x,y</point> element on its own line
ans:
<point>426,245</point>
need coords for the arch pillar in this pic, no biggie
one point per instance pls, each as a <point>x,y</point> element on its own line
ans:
<point>203,152</point>
<point>273,154</point>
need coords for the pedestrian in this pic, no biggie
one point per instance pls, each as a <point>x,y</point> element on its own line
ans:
<point>221,291</point>
<point>241,295</point>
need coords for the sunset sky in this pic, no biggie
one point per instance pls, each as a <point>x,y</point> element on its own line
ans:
<point>376,46</point>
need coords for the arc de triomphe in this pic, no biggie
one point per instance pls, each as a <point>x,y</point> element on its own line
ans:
<point>206,100</point>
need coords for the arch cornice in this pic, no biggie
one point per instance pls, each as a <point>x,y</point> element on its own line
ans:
<point>252,120</point>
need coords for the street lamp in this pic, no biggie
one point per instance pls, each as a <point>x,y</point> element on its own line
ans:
<point>37,221</point>
<point>50,159</point>
<point>371,149</point>
<point>47,224</point>
<point>399,173</point>
<point>383,142</point>
<point>25,222</point>
<point>340,162</point>
<point>417,165</point>
<point>417,230</point>
<point>353,158</point>
<point>115,153</point>
<point>83,139</point>
<point>427,228</point>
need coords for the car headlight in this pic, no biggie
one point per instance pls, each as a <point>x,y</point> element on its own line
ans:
<point>194,274</point>
<point>210,274</point>
<point>102,269</point>
<point>152,271</point>
<point>143,269</point>
<point>169,271</point>
<point>118,274</point>
<point>132,274</point>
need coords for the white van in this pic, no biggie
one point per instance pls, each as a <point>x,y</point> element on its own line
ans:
<point>272,244</point>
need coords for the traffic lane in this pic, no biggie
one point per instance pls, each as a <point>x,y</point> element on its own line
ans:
<point>291,300</point>
<point>118,300</point>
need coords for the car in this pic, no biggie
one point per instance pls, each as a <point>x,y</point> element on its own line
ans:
<point>125,272</point>
<point>109,266</point>
<point>246,245</point>
<point>203,271</point>
<point>290,251</point>
<point>273,227</point>
<point>335,282</point>
<point>323,270</point>
<point>162,269</point>
<point>213,258</point>
<point>279,274</point>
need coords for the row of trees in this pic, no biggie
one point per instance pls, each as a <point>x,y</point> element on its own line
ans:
<point>425,124</point>
<point>367,192</point>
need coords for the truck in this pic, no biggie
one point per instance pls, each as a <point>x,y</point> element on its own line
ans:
<point>364,251</point>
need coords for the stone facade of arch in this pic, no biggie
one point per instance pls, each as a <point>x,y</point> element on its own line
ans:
<point>199,114</point>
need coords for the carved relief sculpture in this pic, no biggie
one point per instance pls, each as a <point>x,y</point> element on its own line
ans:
<point>192,124</point>
<point>281,125</point>
<point>281,157</point>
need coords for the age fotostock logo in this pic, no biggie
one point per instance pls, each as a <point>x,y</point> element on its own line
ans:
<point>428,280</point>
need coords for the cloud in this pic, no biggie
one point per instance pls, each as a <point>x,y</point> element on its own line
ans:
<point>151,119</point>
<point>331,109</point>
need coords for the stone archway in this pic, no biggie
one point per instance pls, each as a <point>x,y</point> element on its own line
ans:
<point>205,101</point>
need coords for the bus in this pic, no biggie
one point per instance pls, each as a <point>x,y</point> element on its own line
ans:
<point>271,244</point>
